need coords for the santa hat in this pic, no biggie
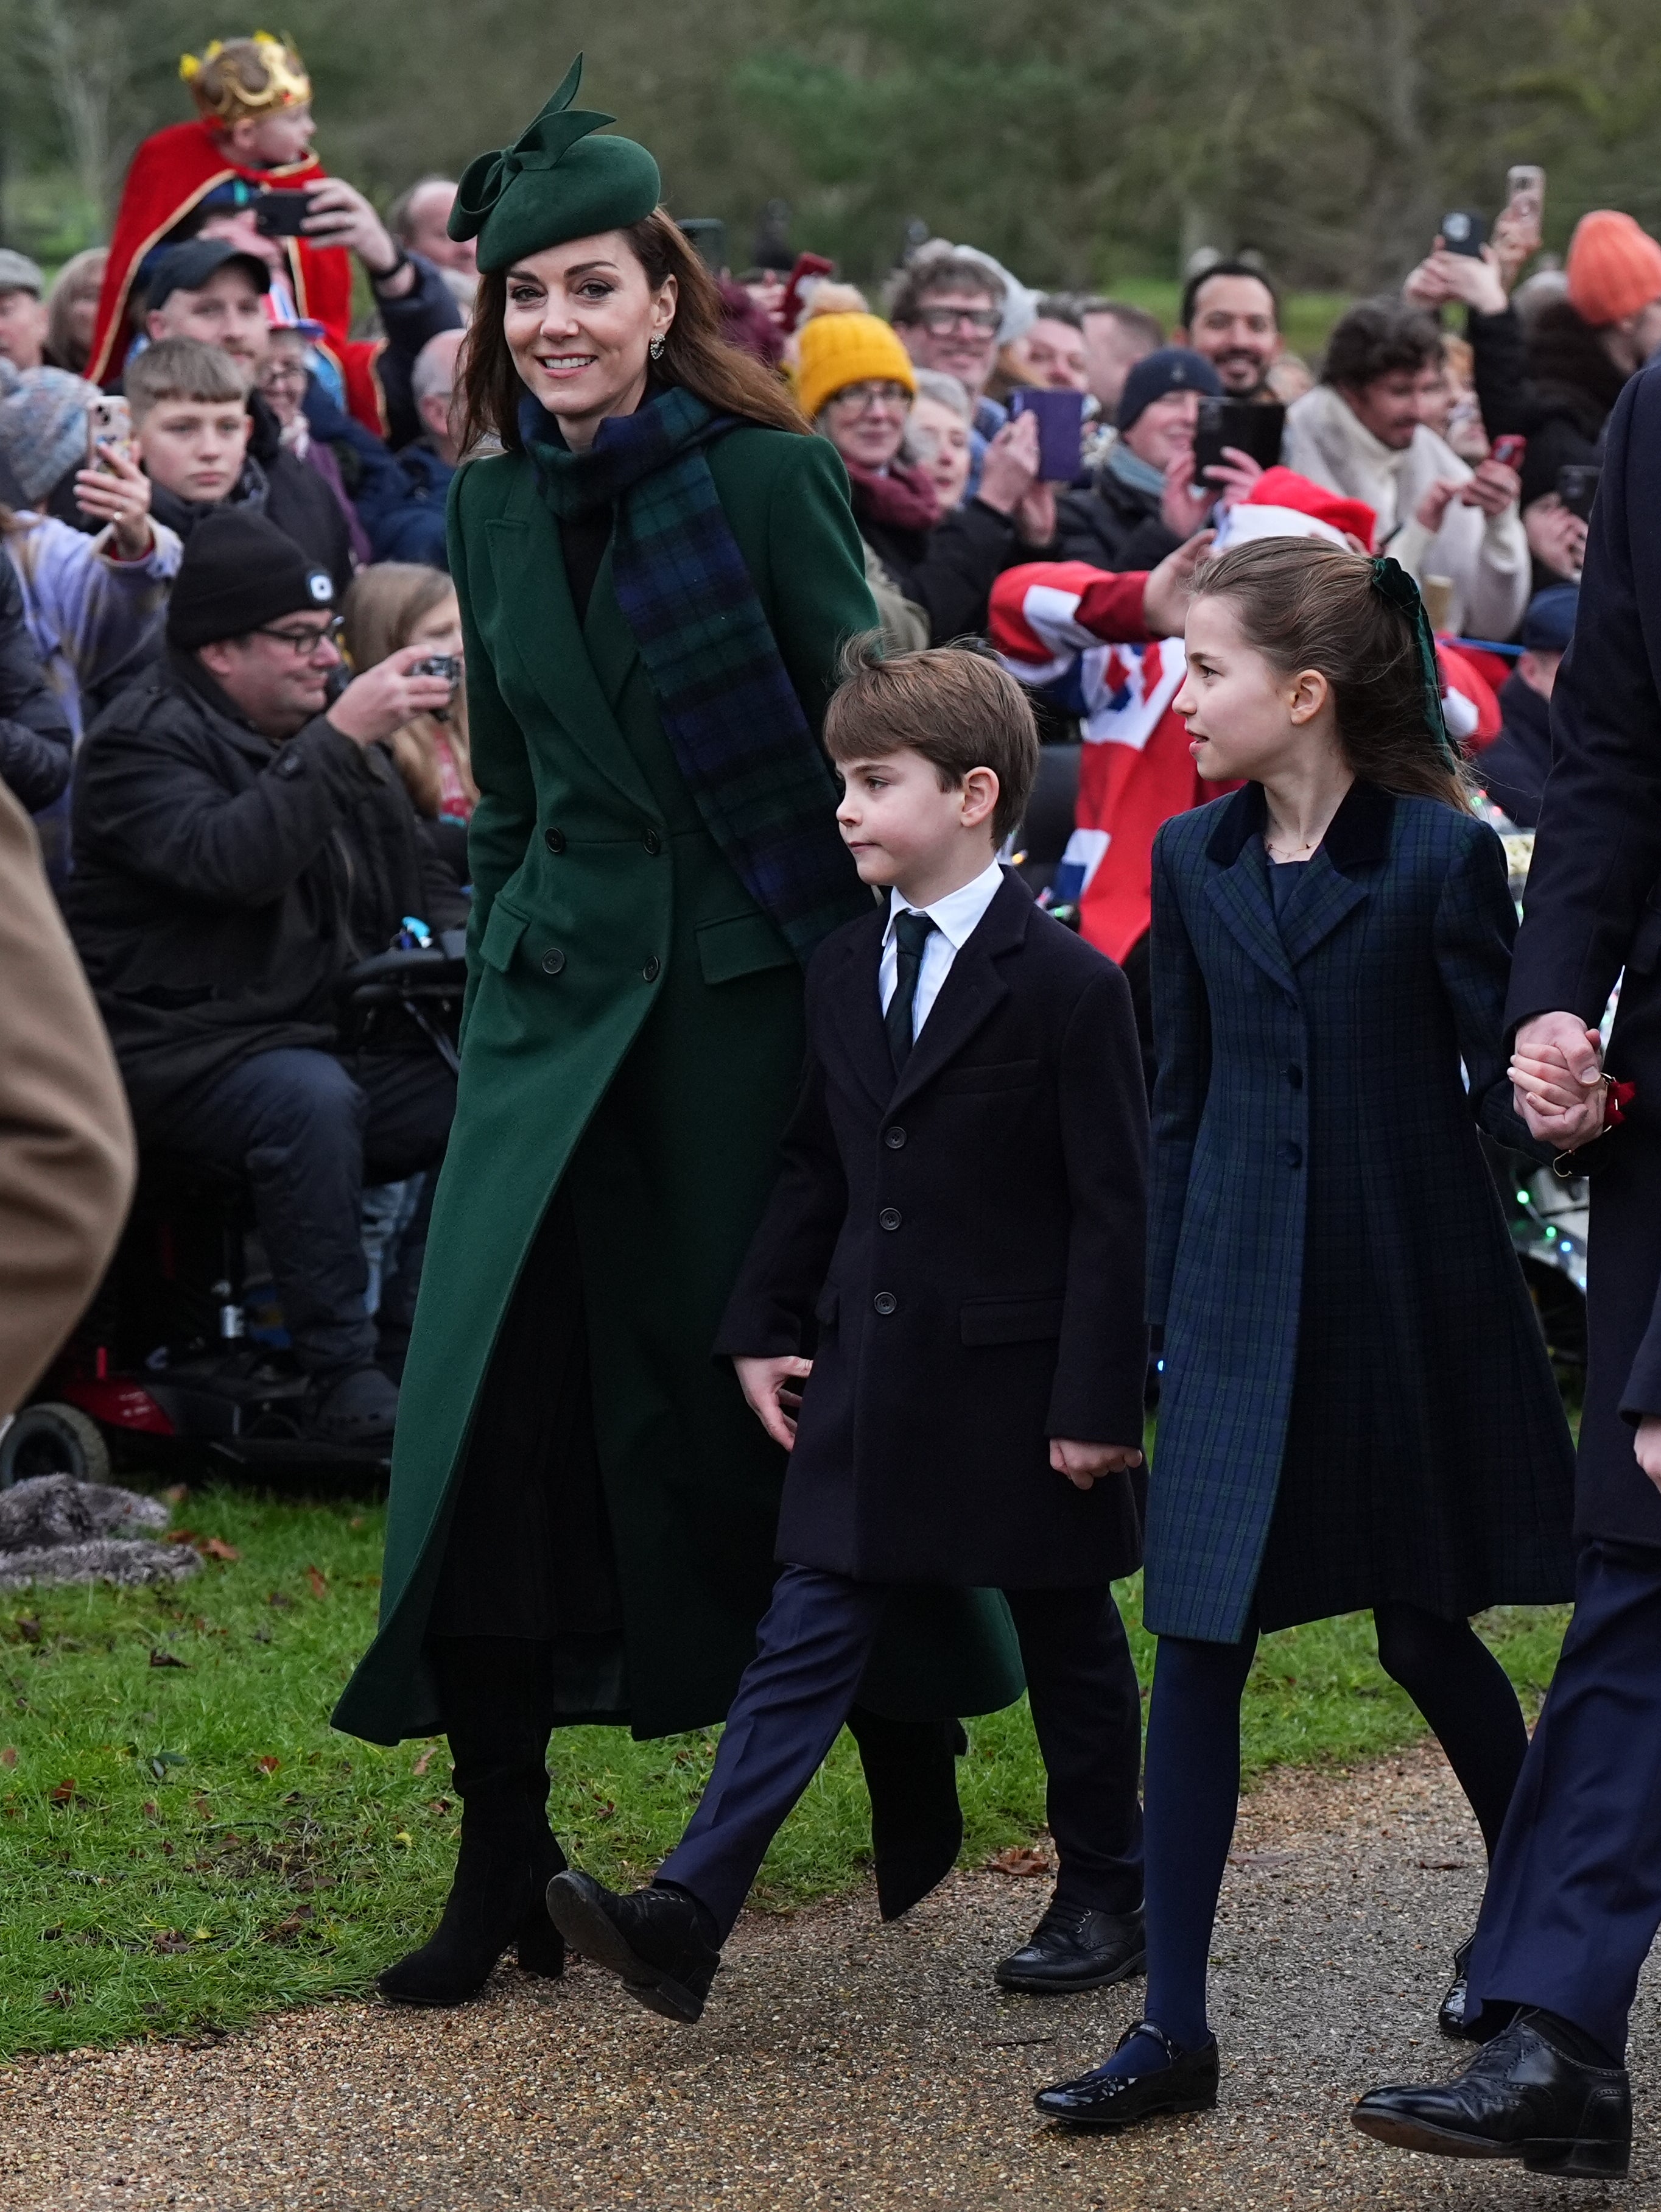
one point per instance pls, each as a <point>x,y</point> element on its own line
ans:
<point>1283,504</point>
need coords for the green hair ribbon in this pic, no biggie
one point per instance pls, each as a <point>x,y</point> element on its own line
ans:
<point>1391,582</point>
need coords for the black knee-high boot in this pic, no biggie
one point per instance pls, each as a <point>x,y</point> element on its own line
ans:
<point>916,1824</point>
<point>494,1694</point>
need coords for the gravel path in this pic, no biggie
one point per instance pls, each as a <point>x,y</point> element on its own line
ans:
<point>842,2065</point>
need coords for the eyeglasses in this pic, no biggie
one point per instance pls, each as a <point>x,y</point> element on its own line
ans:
<point>307,642</point>
<point>282,372</point>
<point>941,322</point>
<point>860,398</point>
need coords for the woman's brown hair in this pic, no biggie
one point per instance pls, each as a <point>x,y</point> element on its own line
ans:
<point>1305,604</point>
<point>695,355</point>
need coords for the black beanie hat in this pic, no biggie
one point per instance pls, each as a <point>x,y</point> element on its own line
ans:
<point>239,573</point>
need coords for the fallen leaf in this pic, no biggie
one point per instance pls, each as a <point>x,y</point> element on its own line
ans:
<point>438,1804</point>
<point>181,1536</point>
<point>64,1998</point>
<point>203,1807</point>
<point>8,1756</point>
<point>149,1809</point>
<point>404,1837</point>
<point>203,1935</point>
<point>356,1520</point>
<point>64,1793</point>
<point>171,1940</point>
<point>268,1763</point>
<point>294,1923</point>
<point>283,1604</point>
<point>167,1659</point>
<point>176,1493</point>
<point>215,1547</point>
<point>418,1770</point>
<point>1020,1860</point>
<point>29,1629</point>
<point>318,1581</point>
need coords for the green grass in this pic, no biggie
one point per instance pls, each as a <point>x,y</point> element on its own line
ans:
<point>183,1846</point>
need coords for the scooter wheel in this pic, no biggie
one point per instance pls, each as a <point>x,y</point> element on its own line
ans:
<point>51,1438</point>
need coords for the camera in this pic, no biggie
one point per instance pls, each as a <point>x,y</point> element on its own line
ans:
<point>445,665</point>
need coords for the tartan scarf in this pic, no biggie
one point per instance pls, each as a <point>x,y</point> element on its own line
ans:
<point>761,783</point>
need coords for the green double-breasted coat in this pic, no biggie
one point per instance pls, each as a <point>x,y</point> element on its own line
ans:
<point>633,1029</point>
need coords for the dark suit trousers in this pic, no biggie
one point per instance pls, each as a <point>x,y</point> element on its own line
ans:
<point>795,1694</point>
<point>1575,1895</point>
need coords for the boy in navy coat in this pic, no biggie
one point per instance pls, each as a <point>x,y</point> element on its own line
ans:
<point>940,1318</point>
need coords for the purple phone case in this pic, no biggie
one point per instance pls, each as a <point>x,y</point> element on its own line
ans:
<point>1060,429</point>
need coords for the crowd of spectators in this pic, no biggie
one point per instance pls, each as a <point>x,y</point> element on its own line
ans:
<point>222,515</point>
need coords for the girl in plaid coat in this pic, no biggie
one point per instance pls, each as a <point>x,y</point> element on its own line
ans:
<point>1358,1410</point>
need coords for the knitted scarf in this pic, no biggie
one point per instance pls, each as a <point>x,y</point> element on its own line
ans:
<point>902,500</point>
<point>763,786</point>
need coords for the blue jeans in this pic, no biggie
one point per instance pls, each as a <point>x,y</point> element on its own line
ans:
<point>309,1130</point>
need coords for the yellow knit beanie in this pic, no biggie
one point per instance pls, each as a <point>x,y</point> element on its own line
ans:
<point>841,349</point>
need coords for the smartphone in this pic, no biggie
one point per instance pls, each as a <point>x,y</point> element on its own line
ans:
<point>445,665</point>
<point>280,215</point>
<point>1256,431</point>
<point>1060,430</point>
<point>1525,191</point>
<point>109,429</point>
<point>1509,450</point>
<point>1577,487</point>
<point>1464,231</point>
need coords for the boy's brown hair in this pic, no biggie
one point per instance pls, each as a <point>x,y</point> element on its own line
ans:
<point>182,368</point>
<point>952,704</point>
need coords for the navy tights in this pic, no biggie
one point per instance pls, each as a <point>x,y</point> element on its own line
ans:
<point>1193,1778</point>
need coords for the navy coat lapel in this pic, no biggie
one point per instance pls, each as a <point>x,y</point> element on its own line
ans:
<point>1333,885</point>
<point>971,990</point>
<point>1238,885</point>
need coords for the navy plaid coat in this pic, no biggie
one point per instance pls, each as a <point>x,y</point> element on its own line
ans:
<point>1357,1404</point>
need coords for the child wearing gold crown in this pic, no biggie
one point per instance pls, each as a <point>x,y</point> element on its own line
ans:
<point>252,134</point>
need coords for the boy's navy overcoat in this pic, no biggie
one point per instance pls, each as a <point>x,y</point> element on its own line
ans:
<point>966,1247</point>
<point>1357,1404</point>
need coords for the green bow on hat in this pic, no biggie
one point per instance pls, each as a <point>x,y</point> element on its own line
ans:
<point>1391,582</point>
<point>554,182</point>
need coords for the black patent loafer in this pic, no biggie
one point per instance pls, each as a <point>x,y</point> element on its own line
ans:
<point>1519,2099</point>
<point>1101,2099</point>
<point>1451,2013</point>
<point>650,1939</point>
<point>1075,1948</point>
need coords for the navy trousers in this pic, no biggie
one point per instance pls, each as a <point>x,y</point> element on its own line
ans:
<point>797,1690</point>
<point>1574,1894</point>
<point>308,1131</point>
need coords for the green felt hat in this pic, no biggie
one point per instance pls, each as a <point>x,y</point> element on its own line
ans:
<point>553,183</point>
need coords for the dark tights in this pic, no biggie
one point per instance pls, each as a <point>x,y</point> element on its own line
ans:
<point>1192,1780</point>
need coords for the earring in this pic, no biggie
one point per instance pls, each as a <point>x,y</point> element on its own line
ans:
<point>656,348</point>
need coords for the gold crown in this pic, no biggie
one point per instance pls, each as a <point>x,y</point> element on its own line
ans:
<point>286,85</point>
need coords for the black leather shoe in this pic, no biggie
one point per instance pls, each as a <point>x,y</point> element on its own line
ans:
<point>1101,2100</point>
<point>495,1902</point>
<point>650,1939</point>
<point>1075,1947</point>
<point>1451,2013</point>
<point>1520,2098</point>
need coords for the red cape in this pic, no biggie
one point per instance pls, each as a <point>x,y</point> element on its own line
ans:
<point>173,171</point>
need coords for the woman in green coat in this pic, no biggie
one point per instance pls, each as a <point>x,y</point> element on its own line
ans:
<point>656,574</point>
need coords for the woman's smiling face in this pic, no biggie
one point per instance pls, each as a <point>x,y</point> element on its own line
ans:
<point>579,320</point>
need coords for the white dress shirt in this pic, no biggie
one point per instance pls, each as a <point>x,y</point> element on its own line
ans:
<point>954,918</point>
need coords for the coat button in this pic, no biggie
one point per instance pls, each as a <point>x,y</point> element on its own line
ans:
<point>1294,1077</point>
<point>652,841</point>
<point>1291,1155</point>
<point>555,840</point>
<point>553,962</point>
<point>894,1139</point>
<point>653,969</point>
<point>888,1217</point>
<point>885,1302</point>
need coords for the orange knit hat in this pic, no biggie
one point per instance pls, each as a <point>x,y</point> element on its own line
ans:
<point>841,349</point>
<point>1614,267</point>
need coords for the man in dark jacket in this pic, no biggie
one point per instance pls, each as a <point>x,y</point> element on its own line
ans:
<point>1514,768</point>
<point>238,843</point>
<point>1575,1892</point>
<point>403,507</point>
<point>1142,505</point>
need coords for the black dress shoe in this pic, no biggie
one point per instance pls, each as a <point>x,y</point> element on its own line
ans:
<point>1520,2098</point>
<point>651,1939</point>
<point>1451,2013</point>
<point>1075,1947</point>
<point>1101,2100</point>
<point>495,1902</point>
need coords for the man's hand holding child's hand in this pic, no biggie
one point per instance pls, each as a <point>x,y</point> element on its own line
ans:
<point>1084,1464</point>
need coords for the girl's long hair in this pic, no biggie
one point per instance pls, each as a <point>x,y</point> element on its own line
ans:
<point>383,606</point>
<point>1302,604</point>
<point>695,355</point>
